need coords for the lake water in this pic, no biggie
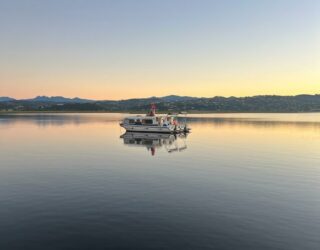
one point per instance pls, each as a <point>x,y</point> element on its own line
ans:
<point>238,181</point>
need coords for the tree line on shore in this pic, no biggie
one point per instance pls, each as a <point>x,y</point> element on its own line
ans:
<point>266,103</point>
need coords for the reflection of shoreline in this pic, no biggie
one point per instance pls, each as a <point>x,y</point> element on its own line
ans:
<point>46,119</point>
<point>43,120</point>
<point>251,122</point>
<point>153,141</point>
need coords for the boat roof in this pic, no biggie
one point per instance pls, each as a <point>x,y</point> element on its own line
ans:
<point>148,116</point>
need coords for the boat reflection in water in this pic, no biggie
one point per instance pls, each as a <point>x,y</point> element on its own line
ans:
<point>152,141</point>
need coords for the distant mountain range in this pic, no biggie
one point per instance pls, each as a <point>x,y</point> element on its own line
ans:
<point>6,99</point>
<point>171,103</point>
<point>53,99</point>
<point>61,99</point>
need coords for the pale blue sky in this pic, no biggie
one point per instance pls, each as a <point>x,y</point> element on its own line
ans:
<point>101,49</point>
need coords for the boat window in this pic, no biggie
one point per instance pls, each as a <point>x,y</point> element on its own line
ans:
<point>131,121</point>
<point>148,121</point>
<point>138,122</point>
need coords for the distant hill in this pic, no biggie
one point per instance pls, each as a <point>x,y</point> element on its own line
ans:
<point>58,99</point>
<point>6,99</point>
<point>172,103</point>
<point>61,99</point>
<point>176,98</point>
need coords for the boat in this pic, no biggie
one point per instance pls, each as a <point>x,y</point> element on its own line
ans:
<point>153,141</point>
<point>152,123</point>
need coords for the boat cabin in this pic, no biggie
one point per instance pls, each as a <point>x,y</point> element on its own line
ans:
<point>150,120</point>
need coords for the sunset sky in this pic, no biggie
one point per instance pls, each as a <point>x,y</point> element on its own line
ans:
<point>122,49</point>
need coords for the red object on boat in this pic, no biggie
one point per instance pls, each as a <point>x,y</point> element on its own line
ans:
<point>153,110</point>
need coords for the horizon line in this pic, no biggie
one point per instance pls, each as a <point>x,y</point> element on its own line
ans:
<point>91,99</point>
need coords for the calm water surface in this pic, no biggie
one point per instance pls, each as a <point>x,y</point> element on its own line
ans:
<point>238,181</point>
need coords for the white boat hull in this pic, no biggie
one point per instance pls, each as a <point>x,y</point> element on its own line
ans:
<point>153,129</point>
